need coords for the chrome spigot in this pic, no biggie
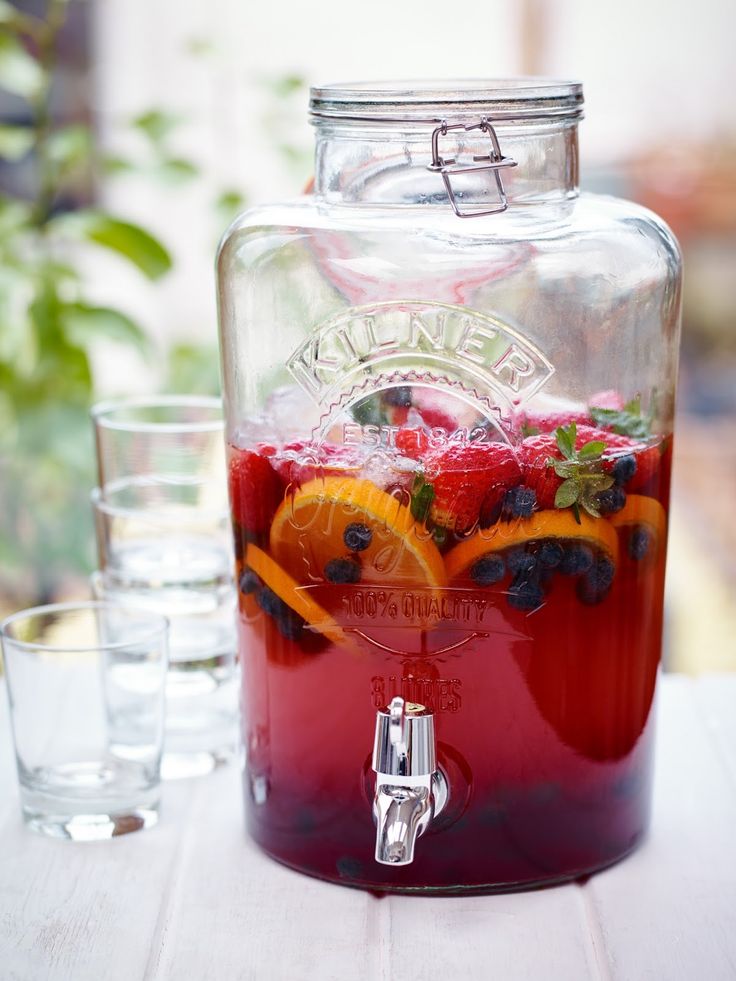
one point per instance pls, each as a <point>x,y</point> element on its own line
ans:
<point>410,789</point>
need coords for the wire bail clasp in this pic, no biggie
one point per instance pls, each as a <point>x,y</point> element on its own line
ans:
<point>494,161</point>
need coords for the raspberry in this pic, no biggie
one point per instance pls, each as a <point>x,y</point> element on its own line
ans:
<point>468,477</point>
<point>256,490</point>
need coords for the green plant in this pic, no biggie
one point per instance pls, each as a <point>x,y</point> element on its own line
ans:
<point>47,320</point>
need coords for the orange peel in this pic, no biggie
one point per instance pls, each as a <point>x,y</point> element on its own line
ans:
<point>543,524</point>
<point>307,532</point>
<point>295,597</point>
<point>642,510</point>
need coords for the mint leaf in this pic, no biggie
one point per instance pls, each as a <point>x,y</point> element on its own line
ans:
<point>622,421</point>
<point>422,495</point>
<point>567,493</point>
<point>598,482</point>
<point>590,506</point>
<point>592,449</point>
<point>528,430</point>
<point>564,468</point>
<point>565,436</point>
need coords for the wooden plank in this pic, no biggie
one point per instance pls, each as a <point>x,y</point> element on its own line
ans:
<point>715,697</point>
<point>81,911</point>
<point>240,915</point>
<point>194,898</point>
<point>668,910</point>
<point>541,934</point>
<point>262,921</point>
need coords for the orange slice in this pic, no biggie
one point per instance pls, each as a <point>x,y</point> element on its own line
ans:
<point>542,524</point>
<point>308,528</point>
<point>642,510</point>
<point>288,590</point>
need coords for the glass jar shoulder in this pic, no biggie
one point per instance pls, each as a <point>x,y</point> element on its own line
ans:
<point>610,226</point>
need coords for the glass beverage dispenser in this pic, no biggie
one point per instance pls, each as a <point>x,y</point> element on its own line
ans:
<point>449,385</point>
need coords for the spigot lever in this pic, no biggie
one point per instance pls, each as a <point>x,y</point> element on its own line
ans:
<point>410,790</point>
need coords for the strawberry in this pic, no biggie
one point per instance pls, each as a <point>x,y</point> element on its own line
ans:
<point>412,442</point>
<point>466,478</point>
<point>436,418</point>
<point>533,423</point>
<point>301,461</point>
<point>582,458</point>
<point>534,453</point>
<point>610,399</point>
<point>256,490</point>
<point>617,445</point>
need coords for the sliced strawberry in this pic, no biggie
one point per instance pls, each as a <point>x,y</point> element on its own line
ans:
<point>467,478</point>
<point>256,490</point>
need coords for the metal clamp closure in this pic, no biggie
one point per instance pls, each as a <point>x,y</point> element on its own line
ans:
<point>493,161</point>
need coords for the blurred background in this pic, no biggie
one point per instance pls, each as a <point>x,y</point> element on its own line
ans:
<point>132,132</point>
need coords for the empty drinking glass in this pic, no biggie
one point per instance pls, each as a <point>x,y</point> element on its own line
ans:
<point>163,539</point>
<point>86,691</point>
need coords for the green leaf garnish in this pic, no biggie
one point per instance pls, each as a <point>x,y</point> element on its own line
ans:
<point>629,421</point>
<point>593,449</point>
<point>565,436</point>
<point>581,472</point>
<point>567,493</point>
<point>369,412</point>
<point>422,495</point>
<point>528,430</point>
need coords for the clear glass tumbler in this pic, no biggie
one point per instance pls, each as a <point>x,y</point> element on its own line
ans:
<point>86,691</point>
<point>163,538</point>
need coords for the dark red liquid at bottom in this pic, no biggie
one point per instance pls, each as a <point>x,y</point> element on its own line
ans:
<point>544,724</point>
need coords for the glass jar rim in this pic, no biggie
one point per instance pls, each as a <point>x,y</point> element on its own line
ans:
<point>128,414</point>
<point>435,100</point>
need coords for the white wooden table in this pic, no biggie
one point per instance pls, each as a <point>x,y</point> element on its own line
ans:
<point>193,899</point>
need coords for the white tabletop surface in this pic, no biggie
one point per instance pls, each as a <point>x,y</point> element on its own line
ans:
<point>193,899</point>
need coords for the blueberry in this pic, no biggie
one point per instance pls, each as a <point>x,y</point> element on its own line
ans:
<point>578,558</point>
<point>624,468</point>
<point>525,594</point>
<point>519,502</point>
<point>520,562</point>
<point>357,537</point>
<point>248,582</point>
<point>550,554</point>
<point>595,585</point>
<point>270,603</point>
<point>342,571</point>
<point>399,396</point>
<point>640,542</point>
<point>488,570</point>
<point>612,500</point>
<point>290,624</point>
